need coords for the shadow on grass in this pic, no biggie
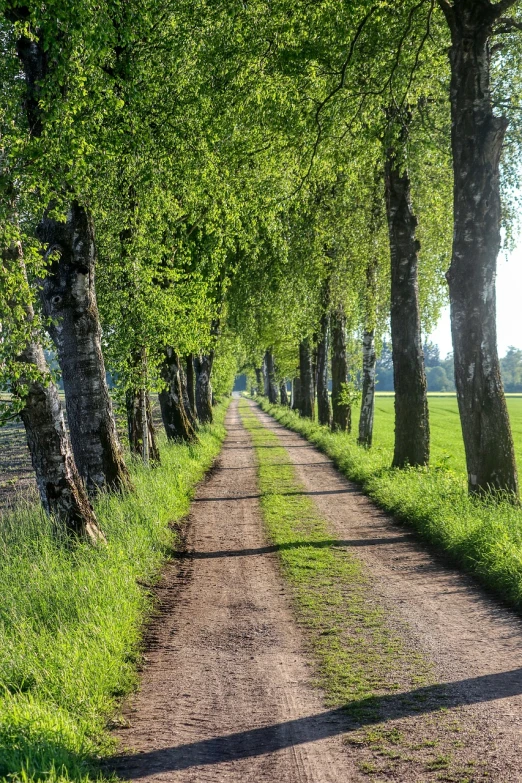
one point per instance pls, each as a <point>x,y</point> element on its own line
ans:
<point>265,550</point>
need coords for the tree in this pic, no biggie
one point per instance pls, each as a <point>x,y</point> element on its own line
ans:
<point>412,434</point>
<point>477,137</point>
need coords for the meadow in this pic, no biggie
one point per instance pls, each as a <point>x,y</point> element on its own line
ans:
<point>447,448</point>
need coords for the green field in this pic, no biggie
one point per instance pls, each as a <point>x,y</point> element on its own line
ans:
<point>446,439</point>
<point>482,535</point>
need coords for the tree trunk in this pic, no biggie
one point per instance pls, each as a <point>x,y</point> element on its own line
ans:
<point>175,420</point>
<point>296,394</point>
<point>477,137</point>
<point>368,390</point>
<point>61,489</point>
<point>341,411</point>
<point>270,372</point>
<point>324,409</point>
<point>191,387</point>
<point>264,373</point>
<point>284,394</point>
<point>306,380</point>
<point>259,380</point>
<point>412,431</point>
<point>183,377</point>
<point>69,299</point>
<point>134,407</point>
<point>203,365</point>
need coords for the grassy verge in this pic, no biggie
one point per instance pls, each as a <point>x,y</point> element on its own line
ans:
<point>482,536</point>
<point>71,620</point>
<point>366,663</point>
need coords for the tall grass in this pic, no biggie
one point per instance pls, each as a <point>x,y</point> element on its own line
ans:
<point>71,618</point>
<point>484,536</point>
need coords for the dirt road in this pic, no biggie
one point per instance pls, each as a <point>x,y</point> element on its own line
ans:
<point>226,693</point>
<point>475,643</point>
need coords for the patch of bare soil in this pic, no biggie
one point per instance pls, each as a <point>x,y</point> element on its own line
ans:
<point>226,691</point>
<point>474,642</point>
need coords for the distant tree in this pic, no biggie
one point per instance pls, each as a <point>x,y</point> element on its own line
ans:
<point>511,368</point>
<point>385,368</point>
<point>431,354</point>
<point>437,379</point>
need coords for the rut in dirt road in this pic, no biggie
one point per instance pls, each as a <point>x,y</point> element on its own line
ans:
<point>226,692</point>
<point>473,641</point>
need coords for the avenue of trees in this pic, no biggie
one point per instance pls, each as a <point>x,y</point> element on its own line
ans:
<point>188,187</point>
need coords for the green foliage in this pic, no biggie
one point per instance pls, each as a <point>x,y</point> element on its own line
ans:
<point>71,620</point>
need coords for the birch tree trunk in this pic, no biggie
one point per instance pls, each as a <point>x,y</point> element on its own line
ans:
<point>62,492</point>
<point>284,394</point>
<point>296,394</point>
<point>270,372</point>
<point>412,431</point>
<point>135,415</point>
<point>191,386</point>
<point>175,420</point>
<point>477,137</point>
<point>324,409</point>
<point>203,365</point>
<point>368,390</point>
<point>306,380</point>
<point>69,300</point>
<point>341,412</point>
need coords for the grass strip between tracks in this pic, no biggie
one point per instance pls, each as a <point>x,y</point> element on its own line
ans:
<point>365,661</point>
<point>359,655</point>
<point>484,536</point>
<point>71,620</point>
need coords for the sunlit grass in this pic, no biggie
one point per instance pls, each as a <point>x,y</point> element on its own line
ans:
<point>71,618</point>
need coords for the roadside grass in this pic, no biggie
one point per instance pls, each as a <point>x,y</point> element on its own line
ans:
<point>71,618</point>
<point>483,536</point>
<point>366,664</point>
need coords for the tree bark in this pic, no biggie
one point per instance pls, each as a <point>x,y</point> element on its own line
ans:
<point>191,387</point>
<point>324,409</point>
<point>61,489</point>
<point>270,372</point>
<point>296,394</point>
<point>284,394</point>
<point>203,365</point>
<point>368,390</point>
<point>134,407</point>
<point>412,431</point>
<point>183,365</point>
<point>341,412</point>
<point>306,380</point>
<point>175,420</point>
<point>264,373</point>
<point>69,300</point>
<point>477,137</point>
<point>259,380</point>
